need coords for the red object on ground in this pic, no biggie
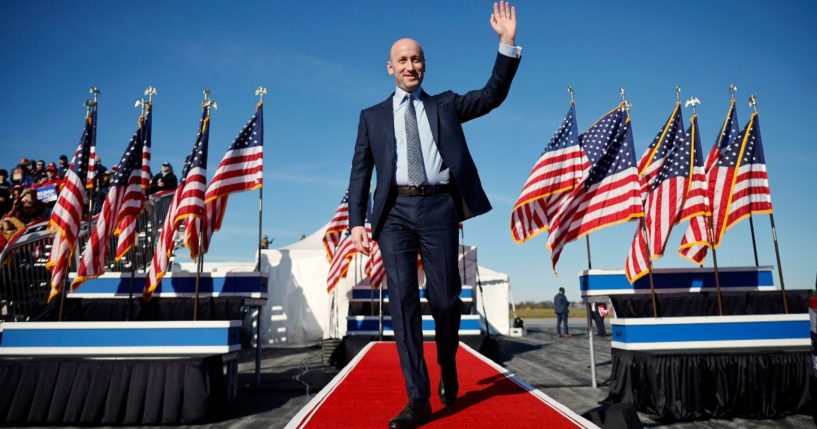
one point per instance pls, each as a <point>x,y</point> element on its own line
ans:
<point>370,391</point>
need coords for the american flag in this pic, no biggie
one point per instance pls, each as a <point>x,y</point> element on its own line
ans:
<point>665,190</point>
<point>696,208</point>
<point>609,193</point>
<point>343,255</point>
<point>241,169</point>
<point>739,181</point>
<point>374,266</point>
<point>147,131</point>
<point>337,226</point>
<point>653,158</point>
<point>558,169</point>
<point>126,223</point>
<point>191,205</point>
<point>698,234</point>
<point>66,216</point>
<point>165,244</point>
<point>91,176</point>
<point>125,200</point>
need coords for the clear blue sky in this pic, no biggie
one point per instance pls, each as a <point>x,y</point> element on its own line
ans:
<point>324,61</point>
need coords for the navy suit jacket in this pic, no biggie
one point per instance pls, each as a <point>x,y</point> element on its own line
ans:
<point>446,113</point>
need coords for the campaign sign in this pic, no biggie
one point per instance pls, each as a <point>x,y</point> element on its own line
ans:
<point>47,194</point>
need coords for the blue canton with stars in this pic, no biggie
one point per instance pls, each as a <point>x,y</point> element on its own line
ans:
<point>730,131</point>
<point>752,154</point>
<point>609,146</point>
<point>79,164</point>
<point>567,135</point>
<point>677,162</point>
<point>131,159</point>
<point>198,157</point>
<point>252,135</point>
<point>674,136</point>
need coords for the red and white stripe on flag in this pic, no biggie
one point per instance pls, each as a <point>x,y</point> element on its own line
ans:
<point>558,169</point>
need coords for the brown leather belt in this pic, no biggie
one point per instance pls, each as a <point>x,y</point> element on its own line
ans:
<point>424,190</point>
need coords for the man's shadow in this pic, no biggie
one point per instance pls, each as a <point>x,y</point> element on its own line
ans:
<point>494,386</point>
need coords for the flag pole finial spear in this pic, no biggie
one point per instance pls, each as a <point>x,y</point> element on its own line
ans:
<point>753,102</point>
<point>626,102</point>
<point>142,104</point>
<point>693,101</point>
<point>208,102</point>
<point>95,92</point>
<point>570,91</point>
<point>261,91</point>
<point>150,91</point>
<point>678,93</point>
<point>732,90</point>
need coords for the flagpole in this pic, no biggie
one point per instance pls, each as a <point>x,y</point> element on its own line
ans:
<point>208,104</point>
<point>586,237</point>
<point>643,224</point>
<point>694,101</point>
<point>649,267</point>
<point>260,92</point>
<point>754,245</point>
<point>753,103</point>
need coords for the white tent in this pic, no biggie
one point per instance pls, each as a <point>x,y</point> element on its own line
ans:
<point>299,310</point>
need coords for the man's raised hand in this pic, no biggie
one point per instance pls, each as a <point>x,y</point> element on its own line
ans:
<point>503,21</point>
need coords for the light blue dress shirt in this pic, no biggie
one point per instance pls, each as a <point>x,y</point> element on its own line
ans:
<point>436,171</point>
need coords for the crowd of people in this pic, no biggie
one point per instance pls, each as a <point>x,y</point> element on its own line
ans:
<point>30,191</point>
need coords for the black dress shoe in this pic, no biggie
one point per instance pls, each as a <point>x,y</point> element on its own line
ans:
<point>447,391</point>
<point>415,413</point>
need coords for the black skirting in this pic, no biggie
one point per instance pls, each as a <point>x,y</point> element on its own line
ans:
<point>76,391</point>
<point>759,385</point>
<point>706,304</point>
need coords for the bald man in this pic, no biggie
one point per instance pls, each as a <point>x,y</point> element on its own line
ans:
<point>426,184</point>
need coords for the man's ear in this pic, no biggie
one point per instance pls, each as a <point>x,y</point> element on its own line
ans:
<point>389,68</point>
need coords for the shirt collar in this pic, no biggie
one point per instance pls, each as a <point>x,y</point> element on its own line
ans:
<point>400,95</point>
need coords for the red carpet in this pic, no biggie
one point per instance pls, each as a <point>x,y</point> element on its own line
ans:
<point>370,391</point>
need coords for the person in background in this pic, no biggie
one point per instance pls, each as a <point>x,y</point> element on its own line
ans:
<point>598,318</point>
<point>5,202</point>
<point>164,179</point>
<point>561,305</point>
<point>99,172</point>
<point>9,227</point>
<point>63,167</point>
<point>28,208</point>
<point>39,170</point>
<point>5,184</point>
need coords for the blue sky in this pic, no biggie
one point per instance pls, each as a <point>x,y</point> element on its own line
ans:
<point>324,61</point>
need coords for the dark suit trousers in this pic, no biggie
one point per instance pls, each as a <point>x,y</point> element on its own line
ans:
<point>427,224</point>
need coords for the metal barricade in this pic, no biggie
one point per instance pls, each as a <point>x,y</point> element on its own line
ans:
<point>24,280</point>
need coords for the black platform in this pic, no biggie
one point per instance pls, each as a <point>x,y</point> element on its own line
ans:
<point>701,385</point>
<point>76,391</point>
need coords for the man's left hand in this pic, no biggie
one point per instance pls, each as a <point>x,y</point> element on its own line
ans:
<point>503,21</point>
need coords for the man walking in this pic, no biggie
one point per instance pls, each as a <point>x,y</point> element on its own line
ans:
<point>426,184</point>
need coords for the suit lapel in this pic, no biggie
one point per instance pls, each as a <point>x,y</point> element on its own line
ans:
<point>430,105</point>
<point>386,120</point>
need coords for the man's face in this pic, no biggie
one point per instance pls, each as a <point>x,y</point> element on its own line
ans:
<point>165,169</point>
<point>40,165</point>
<point>407,64</point>
<point>63,162</point>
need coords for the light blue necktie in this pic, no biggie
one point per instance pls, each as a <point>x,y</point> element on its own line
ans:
<point>416,168</point>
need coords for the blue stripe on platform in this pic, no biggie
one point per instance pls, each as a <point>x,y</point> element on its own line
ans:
<point>711,332</point>
<point>692,279</point>
<point>208,285</point>
<point>139,337</point>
